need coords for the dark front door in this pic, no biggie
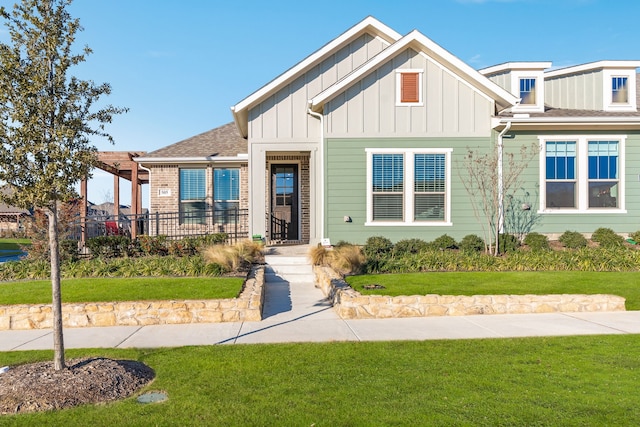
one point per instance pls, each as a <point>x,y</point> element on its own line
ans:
<point>284,202</point>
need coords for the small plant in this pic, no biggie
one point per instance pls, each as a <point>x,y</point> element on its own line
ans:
<point>318,255</point>
<point>444,242</point>
<point>573,240</point>
<point>508,243</point>
<point>607,238</point>
<point>153,245</point>
<point>412,246</point>
<point>537,241</point>
<point>471,243</point>
<point>346,259</point>
<point>635,236</point>
<point>233,258</point>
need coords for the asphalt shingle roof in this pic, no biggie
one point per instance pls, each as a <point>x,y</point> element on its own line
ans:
<point>223,141</point>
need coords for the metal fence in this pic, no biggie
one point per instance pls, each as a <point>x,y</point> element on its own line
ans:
<point>175,225</point>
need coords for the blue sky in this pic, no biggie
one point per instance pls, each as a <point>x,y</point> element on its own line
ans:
<point>179,65</point>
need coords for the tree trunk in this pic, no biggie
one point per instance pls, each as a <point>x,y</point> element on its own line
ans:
<point>58,339</point>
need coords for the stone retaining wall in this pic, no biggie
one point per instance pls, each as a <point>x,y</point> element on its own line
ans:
<point>352,305</point>
<point>247,307</point>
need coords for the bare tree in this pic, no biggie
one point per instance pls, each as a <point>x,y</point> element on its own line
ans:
<point>488,189</point>
<point>47,118</point>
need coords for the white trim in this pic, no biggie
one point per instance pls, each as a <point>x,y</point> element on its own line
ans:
<point>538,107</point>
<point>399,73</point>
<point>298,163</point>
<point>509,66</point>
<point>408,194</point>
<point>582,170</point>
<point>607,91</point>
<point>576,69</point>
<point>181,160</point>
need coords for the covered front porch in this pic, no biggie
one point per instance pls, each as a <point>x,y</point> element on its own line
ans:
<point>283,196</point>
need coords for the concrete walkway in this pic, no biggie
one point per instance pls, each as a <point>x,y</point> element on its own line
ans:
<point>296,311</point>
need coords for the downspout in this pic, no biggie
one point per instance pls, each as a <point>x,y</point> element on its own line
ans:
<point>321,118</point>
<point>501,183</point>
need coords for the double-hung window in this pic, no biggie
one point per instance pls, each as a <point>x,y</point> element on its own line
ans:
<point>582,173</point>
<point>226,193</point>
<point>193,191</point>
<point>408,187</point>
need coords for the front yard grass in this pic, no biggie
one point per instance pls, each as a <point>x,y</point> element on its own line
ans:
<point>624,284</point>
<point>559,381</point>
<point>122,289</point>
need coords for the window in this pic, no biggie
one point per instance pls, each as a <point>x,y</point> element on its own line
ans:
<point>408,187</point>
<point>583,174</point>
<point>226,194</point>
<point>192,196</point>
<point>388,187</point>
<point>528,91</point>
<point>429,187</point>
<point>619,91</point>
<point>409,87</point>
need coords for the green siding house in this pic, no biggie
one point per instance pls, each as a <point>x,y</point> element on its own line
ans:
<point>369,134</point>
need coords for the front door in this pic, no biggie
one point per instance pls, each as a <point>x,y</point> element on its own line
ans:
<point>284,202</point>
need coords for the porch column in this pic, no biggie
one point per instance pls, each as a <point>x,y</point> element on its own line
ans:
<point>116,196</point>
<point>257,190</point>
<point>135,205</point>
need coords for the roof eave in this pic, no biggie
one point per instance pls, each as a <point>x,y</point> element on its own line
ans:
<point>193,160</point>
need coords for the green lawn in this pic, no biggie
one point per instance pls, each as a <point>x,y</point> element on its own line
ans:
<point>561,381</point>
<point>121,289</point>
<point>495,283</point>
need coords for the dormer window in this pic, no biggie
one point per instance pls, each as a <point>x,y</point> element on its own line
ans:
<point>528,91</point>
<point>409,87</point>
<point>619,90</point>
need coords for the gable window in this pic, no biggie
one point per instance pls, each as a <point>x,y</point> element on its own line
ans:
<point>583,174</point>
<point>193,192</point>
<point>409,87</point>
<point>408,187</point>
<point>226,194</point>
<point>528,91</point>
<point>619,91</point>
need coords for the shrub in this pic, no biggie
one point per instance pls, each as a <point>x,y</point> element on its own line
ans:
<point>537,241</point>
<point>108,246</point>
<point>69,250</point>
<point>607,238</point>
<point>507,243</point>
<point>153,245</point>
<point>346,259</point>
<point>471,243</point>
<point>318,255</point>
<point>412,246</point>
<point>444,242</point>
<point>572,240</point>
<point>377,246</point>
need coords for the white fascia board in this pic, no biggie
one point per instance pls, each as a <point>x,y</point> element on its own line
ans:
<point>628,121</point>
<point>417,40</point>
<point>593,66</point>
<point>208,159</point>
<point>507,66</point>
<point>377,27</point>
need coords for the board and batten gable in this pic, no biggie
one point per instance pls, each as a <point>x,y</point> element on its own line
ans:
<point>501,79</point>
<point>283,116</point>
<point>581,91</point>
<point>450,107</point>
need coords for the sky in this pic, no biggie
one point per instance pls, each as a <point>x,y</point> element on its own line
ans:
<point>179,65</point>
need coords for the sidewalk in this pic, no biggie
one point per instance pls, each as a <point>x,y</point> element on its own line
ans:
<point>296,311</point>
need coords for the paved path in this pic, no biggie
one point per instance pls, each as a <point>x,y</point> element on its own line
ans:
<point>296,311</point>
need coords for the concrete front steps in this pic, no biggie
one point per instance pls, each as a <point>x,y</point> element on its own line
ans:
<point>290,291</point>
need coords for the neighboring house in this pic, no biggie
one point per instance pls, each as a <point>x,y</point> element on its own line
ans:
<point>12,218</point>
<point>367,136</point>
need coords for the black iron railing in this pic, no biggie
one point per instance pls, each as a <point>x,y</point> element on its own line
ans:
<point>175,225</point>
